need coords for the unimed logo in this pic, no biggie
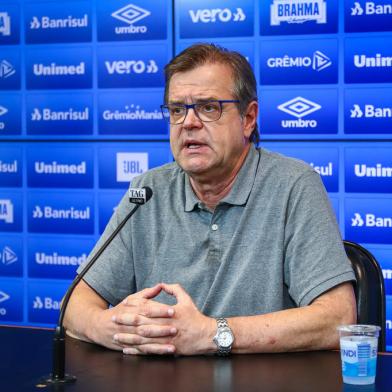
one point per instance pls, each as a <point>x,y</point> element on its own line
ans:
<point>299,107</point>
<point>130,164</point>
<point>376,61</point>
<point>298,11</point>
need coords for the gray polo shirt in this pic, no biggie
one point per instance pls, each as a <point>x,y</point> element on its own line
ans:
<point>272,243</point>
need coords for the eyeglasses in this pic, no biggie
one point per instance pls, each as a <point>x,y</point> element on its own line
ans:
<point>207,111</point>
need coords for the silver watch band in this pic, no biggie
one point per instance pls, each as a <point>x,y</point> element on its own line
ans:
<point>223,324</point>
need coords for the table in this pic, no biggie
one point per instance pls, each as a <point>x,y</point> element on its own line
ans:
<point>26,356</point>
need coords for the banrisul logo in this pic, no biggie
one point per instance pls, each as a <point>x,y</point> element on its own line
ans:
<point>130,164</point>
<point>135,20</point>
<point>298,11</point>
<point>368,110</point>
<point>368,16</point>
<point>10,167</point>
<point>50,23</point>
<point>299,107</point>
<point>368,170</point>
<point>368,60</point>
<point>304,62</point>
<point>60,167</point>
<point>64,113</point>
<point>61,213</point>
<point>59,68</point>
<point>369,220</point>
<point>217,19</point>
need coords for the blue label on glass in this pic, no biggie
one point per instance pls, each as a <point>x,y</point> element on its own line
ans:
<point>49,23</point>
<point>369,220</point>
<point>11,300</point>
<point>10,69</point>
<point>119,165</point>
<point>368,60</point>
<point>10,167</point>
<point>11,211</point>
<point>57,258</point>
<point>60,212</point>
<point>9,24</point>
<point>368,170</point>
<point>368,111</point>
<point>60,167</point>
<point>299,111</point>
<point>125,67</point>
<point>281,17</point>
<point>59,114</point>
<point>300,62</point>
<point>131,113</point>
<point>324,160</point>
<point>139,20</point>
<point>63,68</point>
<point>44,301</point>
<point>11,256</point>
<point>108,203</point>
<point>220,18</point>
<point>363,15</point>
<point>10,114</point>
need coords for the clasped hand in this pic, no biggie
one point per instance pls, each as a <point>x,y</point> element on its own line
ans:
<point>144,326</point>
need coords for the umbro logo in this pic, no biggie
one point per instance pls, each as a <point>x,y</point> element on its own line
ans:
<point>131,14</point>
<point>299,107</point>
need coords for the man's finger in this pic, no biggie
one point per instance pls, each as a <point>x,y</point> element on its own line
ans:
<point>146,349</point>
<point>147,293</point>
<point>177,291</point>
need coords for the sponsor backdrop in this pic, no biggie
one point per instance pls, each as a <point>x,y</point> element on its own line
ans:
<point>80,87</point>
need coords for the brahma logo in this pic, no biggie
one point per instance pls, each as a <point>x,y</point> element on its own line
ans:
<point>130,14</point>
<point>298,11</point>
<point>224,15</point>
<point>377,61</point>
<point>130,164</point>
<point>299,107</point>
<point>370,111</point>
<point>371,8</point>
<point>5,24</point>
<point>370,220</point>
<point>318,62</point>
<point>131,66</point>
<point>8,256</point>
<point>6,69</point>
<point>6,211</point>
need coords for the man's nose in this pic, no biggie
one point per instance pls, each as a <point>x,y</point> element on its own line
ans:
<point>192,120</point>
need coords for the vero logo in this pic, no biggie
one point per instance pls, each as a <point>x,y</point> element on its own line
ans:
<point>223,15</point>
<point>131,14</point>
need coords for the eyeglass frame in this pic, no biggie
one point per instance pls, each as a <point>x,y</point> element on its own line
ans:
<point>192,106</point>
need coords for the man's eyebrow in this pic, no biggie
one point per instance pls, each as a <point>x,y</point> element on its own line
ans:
<point>195,100</point>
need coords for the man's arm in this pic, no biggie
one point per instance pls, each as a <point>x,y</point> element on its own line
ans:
<point>311,327</point>
<point>89,318</point>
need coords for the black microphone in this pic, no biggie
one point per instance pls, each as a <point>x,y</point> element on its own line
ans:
<point>138,196</point>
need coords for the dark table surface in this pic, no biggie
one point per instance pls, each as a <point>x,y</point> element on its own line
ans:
<point>26,356</point>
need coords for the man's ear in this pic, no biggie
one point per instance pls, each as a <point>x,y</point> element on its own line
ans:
<point>250,118</point>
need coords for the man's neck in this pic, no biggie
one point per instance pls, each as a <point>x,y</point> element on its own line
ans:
<point>210,191</point>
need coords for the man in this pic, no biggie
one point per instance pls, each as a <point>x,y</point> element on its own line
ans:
<point>237,250</point>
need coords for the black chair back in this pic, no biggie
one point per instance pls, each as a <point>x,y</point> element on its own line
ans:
<point>369,289</point>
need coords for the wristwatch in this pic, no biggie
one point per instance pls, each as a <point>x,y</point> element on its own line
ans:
<point>224,337</point>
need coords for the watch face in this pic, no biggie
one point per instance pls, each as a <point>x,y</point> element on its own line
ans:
<point>225,339</point>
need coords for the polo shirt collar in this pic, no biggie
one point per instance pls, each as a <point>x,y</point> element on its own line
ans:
<point>242,186</point>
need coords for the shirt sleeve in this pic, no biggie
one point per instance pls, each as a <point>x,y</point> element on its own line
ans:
<point>112,275</point>
<point>315,260</point>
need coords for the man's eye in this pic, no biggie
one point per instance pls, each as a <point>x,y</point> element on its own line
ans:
<point>209,107</point>
<point>176,111</point>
